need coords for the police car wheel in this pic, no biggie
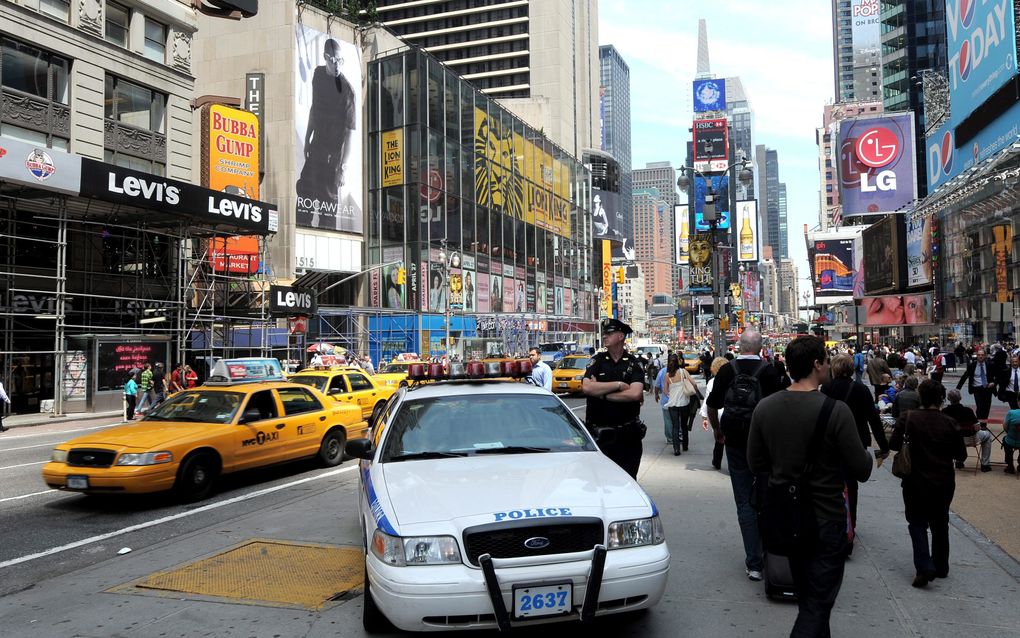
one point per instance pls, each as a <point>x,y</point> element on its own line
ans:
<point>376,413</point>
<point>331,451</point>
<point>196,477</point>
<point>372,619</point>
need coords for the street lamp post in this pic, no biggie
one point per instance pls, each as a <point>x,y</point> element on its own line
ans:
<point>719,288</point>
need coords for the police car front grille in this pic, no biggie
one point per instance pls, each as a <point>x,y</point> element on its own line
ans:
<point>506,540</point>
<point>82,457</point>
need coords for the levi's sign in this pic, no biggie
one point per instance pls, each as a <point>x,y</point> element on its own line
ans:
<point>290,301</point>
<point>154,192</point>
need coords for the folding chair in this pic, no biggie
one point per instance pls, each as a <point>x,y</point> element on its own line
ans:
<point>972,443</point>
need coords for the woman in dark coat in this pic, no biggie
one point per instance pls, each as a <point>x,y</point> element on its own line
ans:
<point>928,490</point>
<point>857,397</point>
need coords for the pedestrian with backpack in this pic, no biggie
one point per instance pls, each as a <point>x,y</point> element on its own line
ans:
<point>806,442</point>
<point>739,386</point>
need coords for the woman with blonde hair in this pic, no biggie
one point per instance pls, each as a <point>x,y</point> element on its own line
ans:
<point>679,388</point>
<point>717,451</point>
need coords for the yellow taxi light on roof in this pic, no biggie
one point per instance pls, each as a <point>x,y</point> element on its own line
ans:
<point>246,370</point>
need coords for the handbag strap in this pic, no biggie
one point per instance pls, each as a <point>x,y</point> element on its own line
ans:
<point>814,447</point>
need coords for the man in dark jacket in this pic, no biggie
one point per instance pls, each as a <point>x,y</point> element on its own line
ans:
<point>1008,383</point>
<point>980,379</point>
<point>781,431</point>
<point>906,399</point>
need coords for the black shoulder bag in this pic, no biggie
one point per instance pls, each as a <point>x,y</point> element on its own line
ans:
<point>788,514</point>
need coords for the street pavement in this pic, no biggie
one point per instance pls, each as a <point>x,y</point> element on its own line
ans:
<point>708,593</point>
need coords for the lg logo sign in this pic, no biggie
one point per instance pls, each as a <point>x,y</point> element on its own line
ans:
<point>876,148</point>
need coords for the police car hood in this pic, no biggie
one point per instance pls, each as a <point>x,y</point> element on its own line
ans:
<point>493,488</point>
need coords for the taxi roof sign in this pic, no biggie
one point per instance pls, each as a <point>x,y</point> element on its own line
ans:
<point>246,370</point>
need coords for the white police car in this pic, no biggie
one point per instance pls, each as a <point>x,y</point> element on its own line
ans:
<point>487,504</point>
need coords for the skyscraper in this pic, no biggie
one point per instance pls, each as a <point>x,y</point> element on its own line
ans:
<point>660,176</point>
<point>614,115</point>
<point>856,50</point>
<point>653,231</point>
<point>772,201</point>
<point>538,57</point>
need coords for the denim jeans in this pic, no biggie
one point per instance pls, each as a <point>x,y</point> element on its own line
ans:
<point>818,575</point>
<point>667,424</point>
<point>742,479</point>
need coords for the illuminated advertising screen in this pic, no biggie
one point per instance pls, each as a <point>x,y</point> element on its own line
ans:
<point>709,95</point>
<point>832,266</point>
<point>898,310</point>
<point>982,52</point>
<point>877,164</point>
<point>919,251</point>
<point>711,145</point>
<point>747,231</point>
<point>882,255</point>
<point>719,185</point>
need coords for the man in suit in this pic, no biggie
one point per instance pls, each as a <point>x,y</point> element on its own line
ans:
<point>1009,383</point>
<point>980,379</point>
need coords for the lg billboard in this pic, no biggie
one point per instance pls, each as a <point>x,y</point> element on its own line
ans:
<point>876,164</point>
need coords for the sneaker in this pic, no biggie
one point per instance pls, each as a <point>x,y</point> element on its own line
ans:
<point>986,468</point>
<point>754,574</point>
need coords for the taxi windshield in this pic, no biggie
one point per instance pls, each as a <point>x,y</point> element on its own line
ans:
<point>317,381</point>
<point>395,368</point>
<point>198,406</point>
<point>574,363</point>
<point>488,424</point>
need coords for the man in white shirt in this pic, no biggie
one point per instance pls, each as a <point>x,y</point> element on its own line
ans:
<point>541,373</point>
<point>1009,382</point>
<point>910,357</point>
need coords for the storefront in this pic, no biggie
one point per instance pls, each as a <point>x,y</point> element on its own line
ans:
<point>470,211</point>
<point>104,267</point>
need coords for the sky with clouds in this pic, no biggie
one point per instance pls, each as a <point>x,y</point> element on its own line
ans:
<point>782,53</point>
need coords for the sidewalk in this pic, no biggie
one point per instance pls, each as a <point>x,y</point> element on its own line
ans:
<point>39,418</point>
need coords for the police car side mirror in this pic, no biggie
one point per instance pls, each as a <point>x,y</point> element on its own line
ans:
<point>605,436</point>
<point>360,449</point>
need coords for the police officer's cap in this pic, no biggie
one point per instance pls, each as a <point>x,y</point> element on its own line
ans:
<point>615,325</point>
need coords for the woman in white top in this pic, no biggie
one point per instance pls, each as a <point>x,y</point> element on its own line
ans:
<point>676,388</point>
<point>717,451</point>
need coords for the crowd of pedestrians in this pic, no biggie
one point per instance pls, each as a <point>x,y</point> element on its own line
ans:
<point>149,385</point>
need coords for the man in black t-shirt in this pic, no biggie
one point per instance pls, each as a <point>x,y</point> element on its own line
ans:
<point>732,431</point>
<point>614,385</point>
<point>158,390</point>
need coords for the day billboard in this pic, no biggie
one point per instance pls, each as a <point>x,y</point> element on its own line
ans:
<point>882,256</point>
<point>607,218</point>
<point>898,310</point>
<point>700,279</point>
<point>682,230</point>
<point>876,164</point>
<point>919,251</point>
<point>747,230</point>
<point>709,95</point>
<point>831,259</point>
<point>327,133</point>
<point>720,185</point>
<point>711,145</point>
<point>945,160</point>
<point>982,52</point>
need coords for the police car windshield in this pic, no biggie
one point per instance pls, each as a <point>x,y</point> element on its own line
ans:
<point>317,381</point>
<point>198,406</point>
<point>574,363</point>
<point>482,424</point>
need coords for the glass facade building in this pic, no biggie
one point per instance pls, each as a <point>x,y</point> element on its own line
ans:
<point>486,216</point>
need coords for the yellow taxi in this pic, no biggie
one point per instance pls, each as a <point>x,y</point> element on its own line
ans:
<point>347,384</point>
<point>692,362</point>
<point>568,374</point>
<point>245,417</point>
<point>394,373</point>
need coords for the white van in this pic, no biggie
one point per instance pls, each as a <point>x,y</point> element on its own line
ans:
<point>654,349</point>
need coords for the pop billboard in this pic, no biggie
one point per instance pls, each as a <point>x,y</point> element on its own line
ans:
<point>711,145</point>
<point>981,36</point>
<point>898,310</point>
<point>945,160</point>
<point>747,230</point>
<point>327,133</point>
<point>831,259</point>
<point>919,251</point>
<point>876,164</point>
<point>607,218</point>
<point>709,95</point>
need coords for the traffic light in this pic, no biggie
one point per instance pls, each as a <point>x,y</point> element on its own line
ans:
<point>672,321</point>
<point>740,317</point>
<point>401,276</point>
<point>724,323</point>
<point>620,278</point>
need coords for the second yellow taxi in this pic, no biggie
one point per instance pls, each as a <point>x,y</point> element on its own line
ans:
<point>347,384</point>
<point>568,375</point>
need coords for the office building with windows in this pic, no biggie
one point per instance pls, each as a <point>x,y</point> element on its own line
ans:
<point>614,115</point>
<point>653,246</point>
<point>539,58</point>
<point>856,51</point>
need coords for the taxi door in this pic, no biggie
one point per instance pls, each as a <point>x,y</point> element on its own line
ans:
<point>261,437</point>
<point>305,419</point>
<point>364,392</point>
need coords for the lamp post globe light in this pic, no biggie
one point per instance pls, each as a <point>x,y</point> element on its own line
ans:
<point>720,288</point>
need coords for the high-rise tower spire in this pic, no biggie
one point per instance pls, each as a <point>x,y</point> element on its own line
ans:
<point>703,70</point>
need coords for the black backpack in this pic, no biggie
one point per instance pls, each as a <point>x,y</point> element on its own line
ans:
<point>739,402</point>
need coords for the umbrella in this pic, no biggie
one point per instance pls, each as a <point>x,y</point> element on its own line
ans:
<point>321,347</point>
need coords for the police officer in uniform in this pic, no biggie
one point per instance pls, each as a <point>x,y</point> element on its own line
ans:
<point>614,385</point>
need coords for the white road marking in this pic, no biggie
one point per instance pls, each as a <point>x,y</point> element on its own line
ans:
<point>10,467</point>
<point>38,434</point>
<point>167,519</point>
<point>15,498</point>
<point>580,407</point>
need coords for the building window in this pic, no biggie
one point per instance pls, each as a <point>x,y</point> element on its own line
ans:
<point>117,21</point>
<point>155,41</point>
<point>34,71</point>
<point>59,9</point>
<point>135,105</point>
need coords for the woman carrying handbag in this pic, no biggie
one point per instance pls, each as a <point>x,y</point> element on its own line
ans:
<point>679,388</point>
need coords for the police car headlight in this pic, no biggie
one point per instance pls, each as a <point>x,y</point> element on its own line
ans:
<point>643,531</point>
<point>415,550</point>
<point>146,458</point>
<point>59,456</point>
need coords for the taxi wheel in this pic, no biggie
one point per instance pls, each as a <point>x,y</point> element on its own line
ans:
<point>331,451</point>
<point>372,619</point>
<point>196,477</point>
